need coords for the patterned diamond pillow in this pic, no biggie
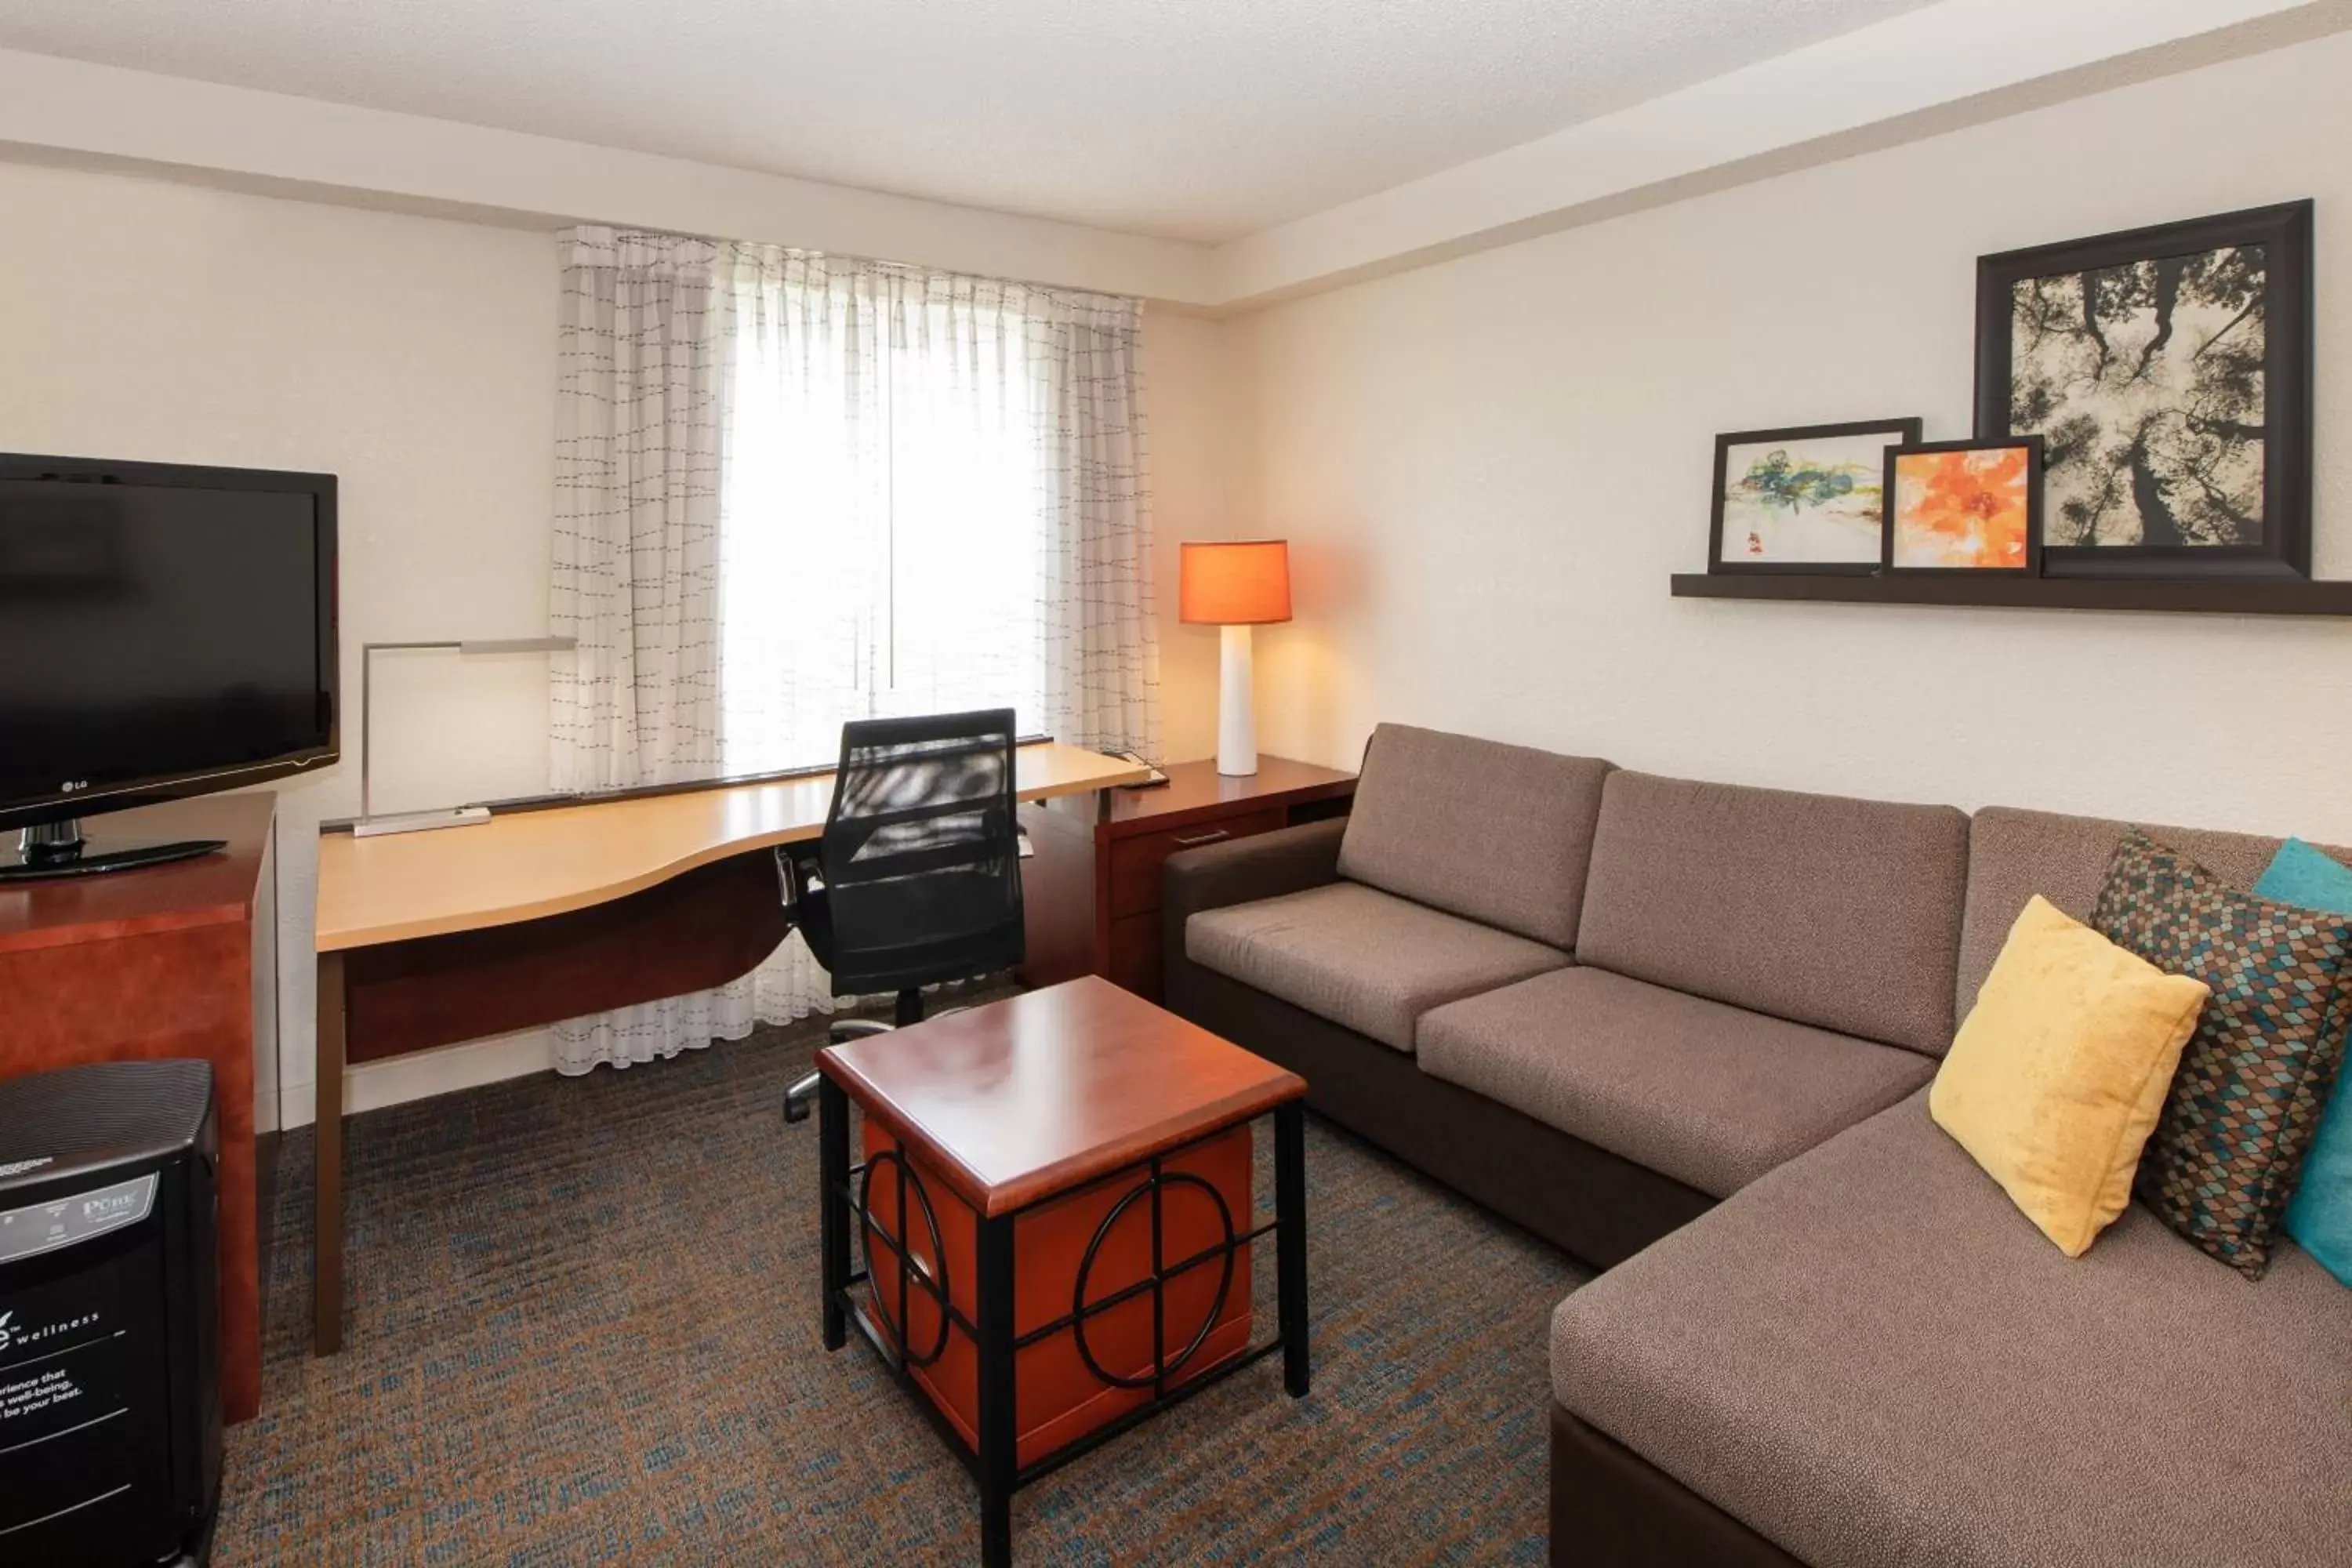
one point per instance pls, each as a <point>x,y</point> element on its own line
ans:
<point>2256,1073</point>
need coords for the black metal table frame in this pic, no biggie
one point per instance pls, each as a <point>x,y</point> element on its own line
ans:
<point>996,1465</point>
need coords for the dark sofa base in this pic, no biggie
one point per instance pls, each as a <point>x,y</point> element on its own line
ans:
<point>1613,1509</point>
<point>1581,1198</point>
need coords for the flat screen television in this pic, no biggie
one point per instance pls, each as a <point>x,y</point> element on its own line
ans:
<point>164,631</point>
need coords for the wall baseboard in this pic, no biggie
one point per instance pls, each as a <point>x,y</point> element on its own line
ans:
<point>372,1085</point>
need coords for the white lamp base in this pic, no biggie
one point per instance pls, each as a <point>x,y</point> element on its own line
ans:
<point>1236,704</point>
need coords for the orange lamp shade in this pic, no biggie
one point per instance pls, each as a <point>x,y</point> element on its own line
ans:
<point>1231,583</point>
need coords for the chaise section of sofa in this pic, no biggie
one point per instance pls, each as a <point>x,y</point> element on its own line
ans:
<point>1870,1356</point>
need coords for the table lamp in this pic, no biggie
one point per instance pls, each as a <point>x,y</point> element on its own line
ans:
<point>1234,585</point>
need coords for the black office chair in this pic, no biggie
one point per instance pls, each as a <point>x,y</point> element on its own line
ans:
<point>917,880</point>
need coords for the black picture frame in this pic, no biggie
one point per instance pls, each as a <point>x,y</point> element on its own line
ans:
<point>2285,233</point>
<point>1898,432</point>
<point>2033,550</point>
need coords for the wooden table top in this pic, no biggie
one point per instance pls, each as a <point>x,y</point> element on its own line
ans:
<point>213,889</point>
<point>1020,1100</point>
<point>1198,791</point>
<point>525,865</point>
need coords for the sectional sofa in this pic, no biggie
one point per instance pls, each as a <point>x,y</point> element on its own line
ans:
<point>1682,1031</point>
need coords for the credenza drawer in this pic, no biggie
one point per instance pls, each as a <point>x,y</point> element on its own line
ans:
<point>1134,862</point>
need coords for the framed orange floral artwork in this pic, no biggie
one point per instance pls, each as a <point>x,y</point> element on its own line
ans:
<point>1965,506</point>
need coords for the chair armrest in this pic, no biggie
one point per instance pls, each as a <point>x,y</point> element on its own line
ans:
<point>1262,865</point>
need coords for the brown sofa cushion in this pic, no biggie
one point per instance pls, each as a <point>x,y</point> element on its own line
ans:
<point>1832,912</point>
<point>1871,1357</point>
<point>1711,1095</point>
<point>2015,853</point>
<point>1360,957</point>
<point>1500,833</point>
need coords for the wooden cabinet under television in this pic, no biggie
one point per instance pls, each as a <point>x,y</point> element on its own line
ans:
<point>1093,886</point>
<point>175,960</point>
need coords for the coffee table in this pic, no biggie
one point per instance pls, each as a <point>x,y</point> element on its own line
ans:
<point>1053,1219</point>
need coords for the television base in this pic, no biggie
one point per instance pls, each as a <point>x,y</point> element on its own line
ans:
<point>58,849</point>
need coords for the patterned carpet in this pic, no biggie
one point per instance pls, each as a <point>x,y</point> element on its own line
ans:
<point>583,1330</point>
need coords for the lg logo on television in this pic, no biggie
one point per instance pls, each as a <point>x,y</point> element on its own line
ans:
<point>72,785</point>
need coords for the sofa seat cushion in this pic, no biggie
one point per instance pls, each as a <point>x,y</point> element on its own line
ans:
<point>1870,1356</point>
<point>1360,957</point>
<point>1711,1095</point>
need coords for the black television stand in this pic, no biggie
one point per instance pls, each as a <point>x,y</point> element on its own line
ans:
<point>58,849</point>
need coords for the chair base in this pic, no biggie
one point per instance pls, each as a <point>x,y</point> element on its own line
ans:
<point>909,1009</point>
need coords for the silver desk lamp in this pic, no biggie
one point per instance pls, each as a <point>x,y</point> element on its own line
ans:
<point>369,824</point>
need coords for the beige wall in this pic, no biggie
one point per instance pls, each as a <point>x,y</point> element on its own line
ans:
<point>415,358</point>
<point>1184,374</point>
<point>412,357</point>
<point>1490,466</point>
<point>1488,469</point>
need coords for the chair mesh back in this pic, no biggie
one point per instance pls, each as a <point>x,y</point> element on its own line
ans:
<point>921,854</point>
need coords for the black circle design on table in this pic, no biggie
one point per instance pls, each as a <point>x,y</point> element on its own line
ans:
<point>1161,1370</point>
<point>869,1227</point>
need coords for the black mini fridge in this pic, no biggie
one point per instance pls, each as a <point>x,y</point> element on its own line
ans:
<point>110,1371</point>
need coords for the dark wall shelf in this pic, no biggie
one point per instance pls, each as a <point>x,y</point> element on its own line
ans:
<point>2207,595</point>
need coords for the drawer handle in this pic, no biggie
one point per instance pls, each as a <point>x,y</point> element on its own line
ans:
<point>1212,837</point>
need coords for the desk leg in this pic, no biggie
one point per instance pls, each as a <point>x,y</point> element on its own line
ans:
<point>327,1141</point>
<point>1290,1241</point>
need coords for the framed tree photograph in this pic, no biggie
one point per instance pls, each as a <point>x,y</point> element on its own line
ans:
<point>1965,506</point>
<point>2169,372</point>
<point>1805,499</point>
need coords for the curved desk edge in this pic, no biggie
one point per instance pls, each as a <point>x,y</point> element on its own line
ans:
<point>527,866</point>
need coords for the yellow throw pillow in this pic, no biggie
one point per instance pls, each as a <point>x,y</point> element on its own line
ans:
<point>2058,1076</point>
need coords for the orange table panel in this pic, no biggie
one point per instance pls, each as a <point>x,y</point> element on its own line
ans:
<point>1204,1200</point>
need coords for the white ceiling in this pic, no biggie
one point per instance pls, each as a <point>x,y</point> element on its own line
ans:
<point>1196,120</point>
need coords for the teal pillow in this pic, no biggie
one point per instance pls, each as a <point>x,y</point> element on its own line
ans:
<point>2320,1217</point>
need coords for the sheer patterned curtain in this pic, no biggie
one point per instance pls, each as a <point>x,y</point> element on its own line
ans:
<point>929,496</point>
<point>640,409</point>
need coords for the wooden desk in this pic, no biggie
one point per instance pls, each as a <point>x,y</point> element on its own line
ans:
<point>167,960</point>
<point>1099,873</point>
<point>427,939</point>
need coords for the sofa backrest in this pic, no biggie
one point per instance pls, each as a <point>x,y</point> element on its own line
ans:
<point>2014,854</point>
<point>1827,910</point>
<point>1496,834</point>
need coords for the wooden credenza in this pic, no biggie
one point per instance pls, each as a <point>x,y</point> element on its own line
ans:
<point>1093,888</point>
<point>167,960</point>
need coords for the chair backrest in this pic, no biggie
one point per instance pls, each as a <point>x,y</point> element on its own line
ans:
<point>921,853</point>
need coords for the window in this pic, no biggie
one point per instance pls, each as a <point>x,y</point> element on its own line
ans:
<point>883,505</point>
